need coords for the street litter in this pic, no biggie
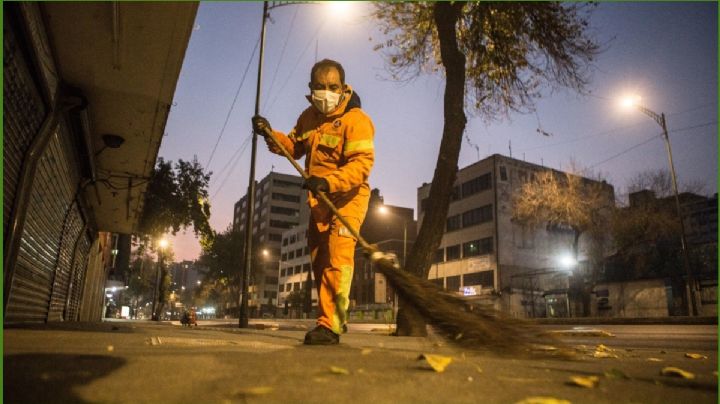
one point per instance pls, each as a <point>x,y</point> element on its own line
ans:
<point>695,356</point>
<point>676,372</point>
<point>588,382</point>
<point>437,362</point>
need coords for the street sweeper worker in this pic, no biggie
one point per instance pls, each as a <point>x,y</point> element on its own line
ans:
<point>336,138</point>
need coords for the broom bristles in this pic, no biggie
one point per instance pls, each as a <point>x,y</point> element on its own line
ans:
<point>473,327</point>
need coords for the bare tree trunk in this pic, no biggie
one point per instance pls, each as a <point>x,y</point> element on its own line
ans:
<point>446,15</point>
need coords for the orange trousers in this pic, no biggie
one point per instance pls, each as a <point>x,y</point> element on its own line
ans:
<point>332,251</point>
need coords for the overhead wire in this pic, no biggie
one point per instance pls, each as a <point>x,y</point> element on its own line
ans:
<point>297,62</point>
<point>232,106</point>
<point>648,140</point>
<point>282,53</point>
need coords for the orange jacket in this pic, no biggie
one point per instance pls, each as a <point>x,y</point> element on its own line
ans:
<point>338,147</point>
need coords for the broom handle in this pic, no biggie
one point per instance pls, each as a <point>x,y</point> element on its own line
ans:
<point>323,196</point>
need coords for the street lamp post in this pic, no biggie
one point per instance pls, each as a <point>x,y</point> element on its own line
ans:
<point>690,284</point>
<point>158,279</point>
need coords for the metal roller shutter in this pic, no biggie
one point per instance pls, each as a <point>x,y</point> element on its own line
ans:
<point>37,260</point>
<point>72,230</point>
<point>23,113</point>
<point>77,277</point>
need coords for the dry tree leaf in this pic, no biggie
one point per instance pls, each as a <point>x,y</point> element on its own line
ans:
<point>339,371</point>
<point>601,354</point>
<point>654,359</point>
<point>254,391</point>
<point>542,400</point>
<point>676,372</point>
<point>615,374</point>
<point>602,348</point>
<point>695,356</point>
<point>437,362</point>
<point>588,382</point>
<point>366,351</point>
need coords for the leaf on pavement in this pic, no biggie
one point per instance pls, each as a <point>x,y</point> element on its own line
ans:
<point>588,382</point>
<point>601,354</point>
<point>366,351</point>
<point>437,362</point>
<point>602,348</point>
<point>339,371</point>
<point>695,356</point>
<point>542,400</point>
<point>654,359</point>
<point>616,374</point>
<point>676,372</point>
<point>254,391</point>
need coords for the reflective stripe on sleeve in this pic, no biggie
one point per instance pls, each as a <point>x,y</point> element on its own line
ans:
<point>366,144</point>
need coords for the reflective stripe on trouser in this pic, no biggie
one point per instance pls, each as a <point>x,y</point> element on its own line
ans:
<point>332,252</point>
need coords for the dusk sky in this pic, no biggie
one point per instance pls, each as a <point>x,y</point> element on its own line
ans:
<point>664,52</point>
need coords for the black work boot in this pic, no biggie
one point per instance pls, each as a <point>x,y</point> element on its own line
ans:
<point>321,336</point>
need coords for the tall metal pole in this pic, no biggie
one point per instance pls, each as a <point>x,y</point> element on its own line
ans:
<point>156,292</point>
<point>683,241</point>
<point>250,212</point>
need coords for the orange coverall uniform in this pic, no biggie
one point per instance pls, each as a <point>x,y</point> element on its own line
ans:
<point>338,147</point>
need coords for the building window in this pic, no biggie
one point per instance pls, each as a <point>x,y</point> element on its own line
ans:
<point>486,246</point>
<point>452,223</point>
<point>285,184</point>
<point>483,278</point>
<point>291,255</point>
<point>439,281</point>
<point>282,272</point>
<point>293,239</point>
<point>452,252</point>
<point>284,197</point>
<point>279,210</point>
<point>299,252</point>
<point>281,224</point>
<point>453,283</point>
<point>298,269</point>
<point>455,193</point>
<point>476,185</point>
<point>423,204</point>
<point>476,216</point>
<point>471,248</point>
<point>271,280</point>
<point>306,251</point>
<point>306,267</point>
<point>503,173</point>
<point>283,257</point>
<point>439,256</point>
<point>274,237</point>
<point>285,242</point>
<point>296,286</point>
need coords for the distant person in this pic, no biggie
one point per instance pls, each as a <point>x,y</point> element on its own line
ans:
<point>336,138</point>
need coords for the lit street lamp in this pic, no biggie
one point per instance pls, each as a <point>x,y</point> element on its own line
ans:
<point>634,102</point>
<point>162,244</point>
<point>338,8</point>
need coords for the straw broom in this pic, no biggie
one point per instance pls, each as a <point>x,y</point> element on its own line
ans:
<point>473,327</point>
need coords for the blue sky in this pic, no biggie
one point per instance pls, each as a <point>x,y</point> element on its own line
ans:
<point>665,52</point>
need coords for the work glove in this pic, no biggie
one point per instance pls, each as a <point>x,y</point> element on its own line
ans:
<point>316,184</point>
<point>260,125</point>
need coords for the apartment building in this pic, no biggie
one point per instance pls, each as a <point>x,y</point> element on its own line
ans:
<point>484,255</point>
<point>278,201</point>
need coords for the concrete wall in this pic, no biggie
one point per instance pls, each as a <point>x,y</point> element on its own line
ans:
<point>644,298</point>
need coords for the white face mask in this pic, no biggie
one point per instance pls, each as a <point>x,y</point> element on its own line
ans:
<point>325,101</point>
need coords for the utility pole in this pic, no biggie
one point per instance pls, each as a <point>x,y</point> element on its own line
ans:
<point>250,211</point>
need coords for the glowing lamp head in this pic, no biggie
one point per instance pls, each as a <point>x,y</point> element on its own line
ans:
<point>567,261</point>
<point>163,243</point>
<point>383,210</point>
<point>630,101</point>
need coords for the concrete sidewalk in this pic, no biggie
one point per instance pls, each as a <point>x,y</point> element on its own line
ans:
<point>141,362</point>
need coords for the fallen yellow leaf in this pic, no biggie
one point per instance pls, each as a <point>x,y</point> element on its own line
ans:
<point>437,362</point>
<point>654,359</point>
<point>584,381</point>
<point>676,372</point>
<point>695,356</point>
<point>254,391</point>
<point>339,371</point>
<point>602,348</point>
<point>366,351</point>
<point>615,374</point>
<point>542,400</point>
<point>601,354</point>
